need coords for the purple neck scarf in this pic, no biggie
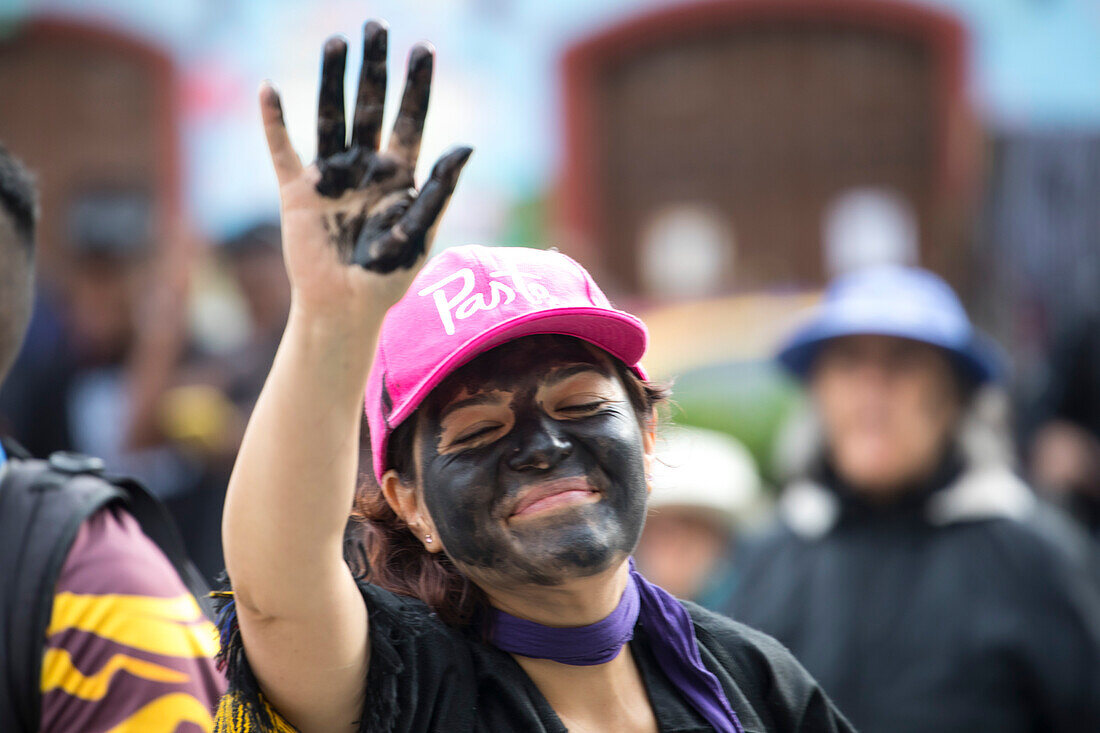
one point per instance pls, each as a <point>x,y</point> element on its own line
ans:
<point>670,631</point>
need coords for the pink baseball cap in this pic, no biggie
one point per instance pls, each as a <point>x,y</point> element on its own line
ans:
<point>470,299</point>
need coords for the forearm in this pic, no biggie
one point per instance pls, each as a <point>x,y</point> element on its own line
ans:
<point>160,343</point>
<point>294,479</point>
<point>302,618</point>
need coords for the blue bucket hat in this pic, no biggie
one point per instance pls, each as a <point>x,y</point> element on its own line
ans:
<point>889,300</point>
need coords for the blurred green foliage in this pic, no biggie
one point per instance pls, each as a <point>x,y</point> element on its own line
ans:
<point>748,400</point>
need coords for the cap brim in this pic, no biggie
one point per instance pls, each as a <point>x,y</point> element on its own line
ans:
<point>978,357</point>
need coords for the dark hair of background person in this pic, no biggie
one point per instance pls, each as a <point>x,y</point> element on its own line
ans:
<point>390,556</point>
<point>19,204</point>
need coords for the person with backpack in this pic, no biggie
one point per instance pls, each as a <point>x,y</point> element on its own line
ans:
<point>102,626</point>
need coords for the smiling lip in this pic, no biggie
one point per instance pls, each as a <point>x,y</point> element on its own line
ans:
<point>553,494</point>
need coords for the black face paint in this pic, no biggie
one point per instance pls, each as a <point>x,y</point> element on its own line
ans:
<point>471,493</point>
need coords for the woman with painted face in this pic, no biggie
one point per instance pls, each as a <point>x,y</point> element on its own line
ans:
<point>911,571</point>
<point>511,429</point>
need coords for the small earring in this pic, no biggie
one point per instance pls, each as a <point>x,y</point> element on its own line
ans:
<point>428,539</point>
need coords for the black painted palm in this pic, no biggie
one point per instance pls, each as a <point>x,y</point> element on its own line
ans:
<point>357,199</point>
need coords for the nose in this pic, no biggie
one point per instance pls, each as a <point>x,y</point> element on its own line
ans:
<point>539,446</point>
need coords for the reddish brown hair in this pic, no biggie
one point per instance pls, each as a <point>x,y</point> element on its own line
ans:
<point>390,556</point>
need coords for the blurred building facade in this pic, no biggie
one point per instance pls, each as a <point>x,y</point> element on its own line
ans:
<point>93,112</point>
<point>746,120</point>
<point>723,158</point>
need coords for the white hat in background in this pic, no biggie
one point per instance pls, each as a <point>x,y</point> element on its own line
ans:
<point>709,471</point>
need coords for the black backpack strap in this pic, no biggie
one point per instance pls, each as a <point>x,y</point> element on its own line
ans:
<point>40,513</point>
<point>42,505</point>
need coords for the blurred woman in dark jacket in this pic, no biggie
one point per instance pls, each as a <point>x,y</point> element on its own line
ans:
<point>917,578</point>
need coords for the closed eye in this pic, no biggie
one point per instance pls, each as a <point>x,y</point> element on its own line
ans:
<point>477,431</point>
<point>582,408</point>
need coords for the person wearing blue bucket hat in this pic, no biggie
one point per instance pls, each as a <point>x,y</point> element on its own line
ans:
<point>910,570</point>
<point>904,302</point>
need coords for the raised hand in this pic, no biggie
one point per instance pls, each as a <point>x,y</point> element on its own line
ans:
<point>358,205</point>
<point>355,232</point>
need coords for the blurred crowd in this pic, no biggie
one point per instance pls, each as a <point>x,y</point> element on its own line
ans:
<point>109,368</point>
<point>927,535</point>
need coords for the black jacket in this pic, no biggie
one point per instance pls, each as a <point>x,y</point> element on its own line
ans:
<point>955,609</point>
<point>426,677</point>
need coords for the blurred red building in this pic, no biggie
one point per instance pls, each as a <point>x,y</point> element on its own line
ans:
<point>750,117</point>
<point>708,147</point>
<point>93,112</point>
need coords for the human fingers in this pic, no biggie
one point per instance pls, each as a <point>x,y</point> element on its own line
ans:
<point>331,129</point>
<point>371,98</point>
<point>402,245</point>
<point>283,157</point>
<point>409,126</point>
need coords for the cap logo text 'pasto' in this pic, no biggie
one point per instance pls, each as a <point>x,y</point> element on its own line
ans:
<point>464,302</point>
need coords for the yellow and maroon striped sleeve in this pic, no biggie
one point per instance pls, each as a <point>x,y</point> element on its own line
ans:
<point>127,647</point>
